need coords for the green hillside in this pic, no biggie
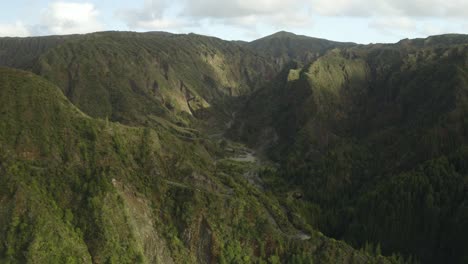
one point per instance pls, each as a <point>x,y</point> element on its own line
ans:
<point>379,133</point>
<point>123,147</point>
<point>22,52</point>
<point>284,47</point>
<point>130,77</point>
<point>79,190</point>
<point>138,78</point>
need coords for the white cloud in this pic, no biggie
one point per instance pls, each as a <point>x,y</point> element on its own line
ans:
<point>244,16</point>
<point>393,23</point>
<point>70,18</point>
<point>341,7</point>
<point>152,9</point>
<point>159,24</point>
<point>239,8</point>
<point>14,30</point>
<point>150,16</point>
<point>298,20</point>
<point>397,27</point>
<point>250,17</point>
<point>409,8</point>
<point>399,18</point>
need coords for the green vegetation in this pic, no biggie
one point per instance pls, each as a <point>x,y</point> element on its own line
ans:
<point>371,137</point>
<point>121,147</point>
<point>22,52</point>
<point>284,47</point>
<point>131,77</point>
<point>78,190</point>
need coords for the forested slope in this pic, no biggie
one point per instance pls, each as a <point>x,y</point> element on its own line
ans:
<point>75,189</point>
<point>130,148</point>
<point>378,133</point>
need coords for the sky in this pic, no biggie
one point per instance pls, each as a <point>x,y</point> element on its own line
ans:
<point>360,21</point>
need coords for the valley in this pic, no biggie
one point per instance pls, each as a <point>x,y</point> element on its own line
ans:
<point>124,147</point>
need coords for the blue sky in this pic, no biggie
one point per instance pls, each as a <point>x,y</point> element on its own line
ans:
<point>362,21</point>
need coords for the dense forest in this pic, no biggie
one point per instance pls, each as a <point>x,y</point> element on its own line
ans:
<point>122,147</point>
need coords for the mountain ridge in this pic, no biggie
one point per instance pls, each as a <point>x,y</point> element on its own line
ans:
<point>182,148</point>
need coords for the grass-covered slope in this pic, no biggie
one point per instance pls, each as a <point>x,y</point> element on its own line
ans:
<point>75,189</point>
<point>373,137</point>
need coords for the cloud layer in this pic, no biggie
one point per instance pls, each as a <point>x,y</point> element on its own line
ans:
<point>408,8</point>
<point>60,18</point>
<point>397,17</point>
<point>248,18</point>
<point>71,17</point>
<point>18,29</point>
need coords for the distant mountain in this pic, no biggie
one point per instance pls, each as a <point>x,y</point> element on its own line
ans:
<point>285,47</point>
<point>132,77</point>
<point>438,40</point>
